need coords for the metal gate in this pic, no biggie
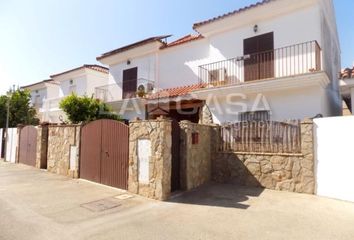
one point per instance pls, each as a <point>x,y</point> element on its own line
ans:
<point>28,146</point>
<point>104,153</point>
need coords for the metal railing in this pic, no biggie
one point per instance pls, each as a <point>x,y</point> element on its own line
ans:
<point>51,104</point>
<point>282,62</point>
<point>110,92</point>
<point>261,136</point>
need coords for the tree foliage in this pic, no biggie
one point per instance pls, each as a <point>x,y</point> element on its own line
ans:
<point>21,111</point>
<point>85,109</point>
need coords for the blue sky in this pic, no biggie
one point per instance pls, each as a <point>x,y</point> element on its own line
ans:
<point>42,37</point>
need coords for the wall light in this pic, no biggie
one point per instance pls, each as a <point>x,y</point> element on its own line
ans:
<point>255,28</point>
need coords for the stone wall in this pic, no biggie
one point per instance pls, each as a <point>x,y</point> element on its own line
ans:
<point>42,146</point>
<point>195,158</point>
<point>60,140</point>
<point>288,172</point>
<point>159,133</point>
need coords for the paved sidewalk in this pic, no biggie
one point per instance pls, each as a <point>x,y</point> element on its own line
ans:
<point>35,204</point>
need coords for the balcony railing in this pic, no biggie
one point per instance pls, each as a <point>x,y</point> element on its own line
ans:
<point>282,62</point>
<point>51,104</point>
<point>128,88</point>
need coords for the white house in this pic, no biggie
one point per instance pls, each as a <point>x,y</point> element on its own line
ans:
<point>84,80</point>
<point>277,59</point>
<point>40,92</point>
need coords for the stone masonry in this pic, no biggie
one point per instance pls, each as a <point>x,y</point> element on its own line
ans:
<point>60,139</point>
<point>195,158</point>
<point>288,172</point>
<point>159,133</point>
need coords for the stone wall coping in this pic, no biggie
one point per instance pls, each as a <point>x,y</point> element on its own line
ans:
<point>67,125</point>
<point>198,124</point>
<point>265,154</point>
<point>154,120</point>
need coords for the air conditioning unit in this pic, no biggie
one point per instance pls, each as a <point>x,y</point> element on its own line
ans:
<point>218,76</point>
<point>145,86</point>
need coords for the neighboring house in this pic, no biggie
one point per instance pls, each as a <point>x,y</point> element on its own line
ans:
<point>40,92</point>
<point>279,59</point>
<point>83,80</point>
<point>347,90</point>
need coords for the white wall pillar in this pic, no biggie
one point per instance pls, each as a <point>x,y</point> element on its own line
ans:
<point>352,99</point>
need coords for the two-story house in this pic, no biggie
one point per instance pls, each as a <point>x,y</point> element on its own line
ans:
<point>41,91</point>
<point>46,95</point>
<point>277,59</point>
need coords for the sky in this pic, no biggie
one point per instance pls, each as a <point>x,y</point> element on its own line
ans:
<point>39,38</point>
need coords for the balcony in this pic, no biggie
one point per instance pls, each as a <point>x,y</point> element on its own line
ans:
<point>51,104</point>
<point>282,62</point>
<point>130,89</point>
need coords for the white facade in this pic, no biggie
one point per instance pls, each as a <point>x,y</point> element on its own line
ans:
<point>292,23</point>
<point>42,91</point>
<point>11,145</point>
<point>334,157</point>
<point>82,81</point>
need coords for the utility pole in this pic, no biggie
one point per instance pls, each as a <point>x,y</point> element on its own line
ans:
<point>9,94</point>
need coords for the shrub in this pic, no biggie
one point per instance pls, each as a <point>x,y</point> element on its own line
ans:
<point>85,109</point>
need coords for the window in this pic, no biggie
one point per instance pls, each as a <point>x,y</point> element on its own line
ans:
<point>195,138</point>
<point>255,116</point>
<point>72,89</point>
<point>37,100</point>
<point>130,82</point>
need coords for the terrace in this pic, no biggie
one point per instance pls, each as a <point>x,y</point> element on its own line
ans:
<point>299,59</point>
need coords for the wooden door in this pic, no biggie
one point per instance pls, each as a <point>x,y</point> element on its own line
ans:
<point>104,156</point>
<point>259,57</point>
<point>130,82</point>
<point>90,151</point>
<point>115,154</point>
<point>28,146</point>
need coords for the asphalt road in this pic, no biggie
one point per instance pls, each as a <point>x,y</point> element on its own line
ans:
<point>35,204</point>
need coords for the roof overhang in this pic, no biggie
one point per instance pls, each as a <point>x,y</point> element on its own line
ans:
<point>40,85</point>
<point>346,85</point>
<point>250,16</point>
<point>135,52</point>
<point>299,81</point>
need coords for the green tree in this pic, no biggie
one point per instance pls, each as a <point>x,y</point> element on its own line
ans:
<point>85,109</point>
<point>21,111</point>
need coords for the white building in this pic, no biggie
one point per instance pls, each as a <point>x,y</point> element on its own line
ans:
<point>84,80</point>
<point>279,57</point>
<point>40,92</point>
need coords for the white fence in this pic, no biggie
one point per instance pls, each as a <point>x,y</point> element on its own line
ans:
<point>11,144</point>
<point>334,154</point>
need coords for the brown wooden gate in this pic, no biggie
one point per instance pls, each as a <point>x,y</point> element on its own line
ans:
<point>104,153</point>
<point>28,146</point>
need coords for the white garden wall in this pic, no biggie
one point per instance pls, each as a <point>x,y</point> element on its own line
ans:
<point>11,144</point>
<point>334,157</point>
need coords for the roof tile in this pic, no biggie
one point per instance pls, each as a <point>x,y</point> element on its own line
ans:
<point>133,45</point>
<point>347,73</point>
<point>231,13</point>
<point>185,39</point>
<point>94,67</point>
<point>176,91</point>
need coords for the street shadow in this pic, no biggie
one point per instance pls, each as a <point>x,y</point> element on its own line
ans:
<point>226,195</point>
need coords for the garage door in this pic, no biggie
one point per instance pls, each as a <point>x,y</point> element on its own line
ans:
<point>105,153</point>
